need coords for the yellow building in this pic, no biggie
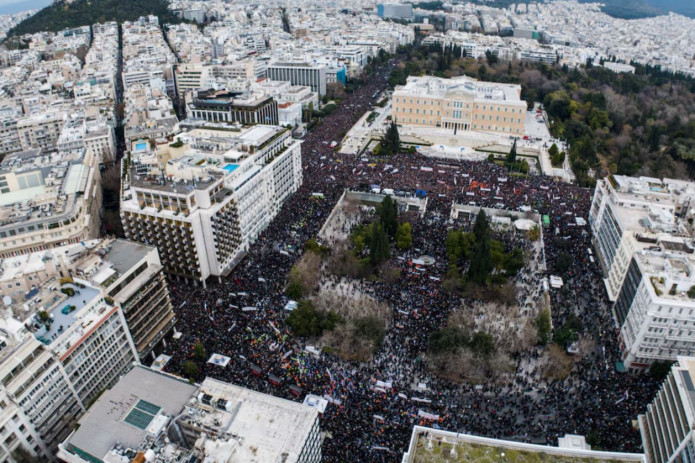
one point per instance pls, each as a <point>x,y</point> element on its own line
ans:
<point>461,103</point>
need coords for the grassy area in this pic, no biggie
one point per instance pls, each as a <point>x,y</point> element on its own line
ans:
<point>467,452</point>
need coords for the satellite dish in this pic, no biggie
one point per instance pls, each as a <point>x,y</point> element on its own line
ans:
<point>7,300</point>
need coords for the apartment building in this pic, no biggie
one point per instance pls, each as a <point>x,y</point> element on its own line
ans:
<point>299,73</point>
<point>668,426</point>
<point>204,204</point>
<point>234,107</point>
<point>40,130</point>
<point>644,246</point>
<point>129,273</point>
<point>460,103</point>
<point>48,200</point>
<point>214,421</point>
<point>61,347</point>
<point>395,10</point>
<point>9,136</point>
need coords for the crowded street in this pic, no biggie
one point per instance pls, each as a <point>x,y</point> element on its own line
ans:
<point>373,405</point>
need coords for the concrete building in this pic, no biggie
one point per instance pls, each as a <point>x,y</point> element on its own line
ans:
<point>129,273</point>
<point>395,10</point>
<point>48,200</point>
<point>460,103</point>
<point>436,445</point>
<point>300,73</point>
<point>40,130</point>
<point>208,201</point>
<point>644,246</point>
<point>157,416</point>
<point>668,426</point>
<point>234,107</point>
<point>62,346</point>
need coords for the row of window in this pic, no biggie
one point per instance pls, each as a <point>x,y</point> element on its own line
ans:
<point>459,104</point>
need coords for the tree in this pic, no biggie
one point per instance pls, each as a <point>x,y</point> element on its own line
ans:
<point>543,326</point>
<point>306,321</point>
<point>293,290</point>
<point>199,352</point>
<point>391,141</point>
<point>388,215</point>
<point>553,150</point>
<point>534,233</point>
<point>22,455</point>
<point>660,370</point>
<point>481,261</point>
<point>379,247</point>
<point>563,263</point>
<point>482,343</point>
<point>404,238</point>
<point>447,339</point>
<point>511,157</point>
<point>190,369</point>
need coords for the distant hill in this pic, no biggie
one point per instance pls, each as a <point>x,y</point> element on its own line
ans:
<point>61,15</point>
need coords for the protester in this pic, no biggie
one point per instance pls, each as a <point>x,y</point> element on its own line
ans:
<point>243,316</point>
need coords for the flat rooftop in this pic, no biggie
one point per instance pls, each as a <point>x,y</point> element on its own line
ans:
<point>136,405</point>
<point>268,426</point>
<point>433,446</point>
<point>125,254</point>
<point>64,314</point>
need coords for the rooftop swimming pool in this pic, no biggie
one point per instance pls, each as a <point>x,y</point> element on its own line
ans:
<point>141,146</point>
<point>230,167</point>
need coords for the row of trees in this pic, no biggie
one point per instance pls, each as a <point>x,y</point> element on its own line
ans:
<point>376,236</point>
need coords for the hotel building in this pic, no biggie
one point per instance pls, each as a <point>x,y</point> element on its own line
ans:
<point>217,190</point>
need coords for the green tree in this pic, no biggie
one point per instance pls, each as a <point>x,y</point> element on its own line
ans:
<point>553,150</point>
<point>22,455</point>
<point>306,321</point>
<point>190,369</point>
<point>481,264</point>
<point>379,247</point>
<point>404,238</point>
<point>388,215</point>
<point>447,339</point>
<point>568,332</point>
<point>391,141</point>
<point>534,233</point>
<point>482,343</point>
<point>511,157</point>
<point>199,352</point>
<point>294,290</point>
<point>543,326</point>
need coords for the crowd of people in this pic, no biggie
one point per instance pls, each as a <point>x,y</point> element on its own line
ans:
<point>374,405</point>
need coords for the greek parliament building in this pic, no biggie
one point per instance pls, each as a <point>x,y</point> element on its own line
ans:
<point>460,103</point>
<point>643,235</point>
<point>668,426</point>
<point>203,199</point>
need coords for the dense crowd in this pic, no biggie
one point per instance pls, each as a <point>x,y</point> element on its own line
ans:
<point>242,317</point>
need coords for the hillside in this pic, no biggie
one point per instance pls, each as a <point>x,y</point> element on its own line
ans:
<point>61,15</point>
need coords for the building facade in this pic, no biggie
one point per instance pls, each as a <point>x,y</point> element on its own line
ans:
<point>234,107</point>
<point>203,209</point>
<point>668,426</point>
<point>460,103</point>
<point>643,242</point>
<point>300,73</point>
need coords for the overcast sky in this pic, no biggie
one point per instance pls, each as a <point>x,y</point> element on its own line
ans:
<point>15,6</point>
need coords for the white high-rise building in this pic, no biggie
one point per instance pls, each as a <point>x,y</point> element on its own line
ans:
<point>668,426</point>
<point>218,189</point>
<point>644,244</point>
<point>60,349</point>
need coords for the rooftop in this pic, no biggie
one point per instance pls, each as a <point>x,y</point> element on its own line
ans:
<point>65,314</point>
<point>434,446</point>
<point>139,404</point>
<point>269,426</point>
